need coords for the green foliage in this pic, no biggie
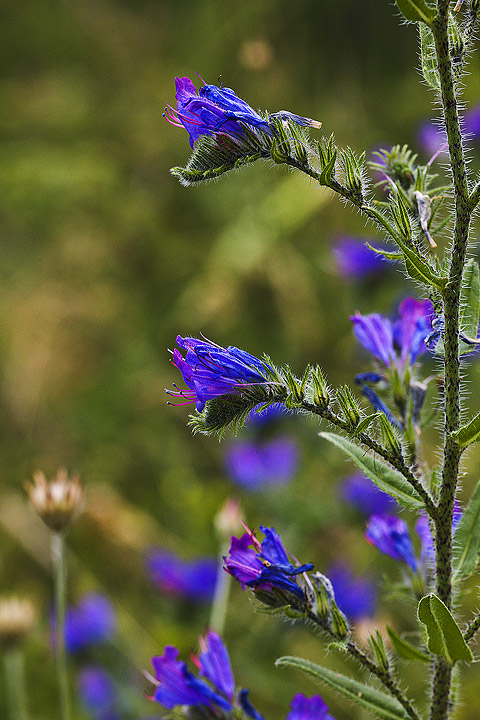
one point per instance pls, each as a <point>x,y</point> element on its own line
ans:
<point>385,477</point>
<point>416,11</point>
<point>469,433</point>
<point>406,650</point>
<point>467,537</point>
<point>444,636</point>
<point>428,57</point>
<point>363,695</point>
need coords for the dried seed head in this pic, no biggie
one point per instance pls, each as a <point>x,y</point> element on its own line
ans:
<point>16,619</point>
<point>56,501</point>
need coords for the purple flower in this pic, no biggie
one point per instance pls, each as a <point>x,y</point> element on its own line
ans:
<point>97,690</point>
<point>381,337</point>
<point>423,530</point>
<point>253,465</point>
<point>354,259</point>
<point>90,623</point>
<point>193,579</point>
<point>391,536</point>
<point>176,685</point>
<point>210,370</point>
<point>265,566</point>
<point>304,708</point>
<point>218,110</point>
<point>365,497</point>
<point>356,597</point>
<point>432,138</point>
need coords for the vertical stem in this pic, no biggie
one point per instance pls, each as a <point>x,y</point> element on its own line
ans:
<point>59,573</point>
<point>451,300</point>
<point>218,612</point>
<point>15,684</point>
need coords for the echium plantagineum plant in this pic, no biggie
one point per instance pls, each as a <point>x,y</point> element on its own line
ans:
<point>415,216</point>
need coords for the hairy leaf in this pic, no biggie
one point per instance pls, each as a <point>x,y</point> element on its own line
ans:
<point>416,10</point>
<point>405,649</point>
<point>385,478</point>
<point>367,697</point>
<point>469,433</point>
<point>467,537</point>
<point>428,57</point>
<point>444,636</point>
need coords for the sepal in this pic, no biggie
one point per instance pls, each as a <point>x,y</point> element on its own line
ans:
<point>379,652</point>
<point>349,406</point>
<point>417,11</point>
<point>327,156</point>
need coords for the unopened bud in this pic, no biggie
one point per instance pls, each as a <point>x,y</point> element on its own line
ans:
<point>389,437</point>
<point>16,620</point>
<point>379,652</point>
<point>339,624</point>
<point>228,521</point>
<point>318,387</point>
<point>349,406</point>
<point>56,501</point>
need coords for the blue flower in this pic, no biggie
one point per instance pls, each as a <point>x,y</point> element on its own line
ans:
<point>97,690</point>
<point>210,370</point>
<point>365,497</point>
<point>193,579</point>
<point>356,597</point>
<point>265,567</point>
<point>354,259</point>
<point>216,110</point>
<point>254,464</point>
<point>391,536</point>
<point>177,686</point>
<point>424,532</point>
<point>398,343</point>
<point>304,708</point>
<point>90,623</point>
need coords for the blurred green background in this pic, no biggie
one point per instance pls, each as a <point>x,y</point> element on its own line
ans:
<point>106,258</point>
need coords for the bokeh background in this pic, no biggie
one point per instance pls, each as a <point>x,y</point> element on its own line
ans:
<point>105,258</point>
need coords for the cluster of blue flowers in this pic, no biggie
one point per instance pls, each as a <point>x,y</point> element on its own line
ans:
<point>217,111</point>
<point>215,691</point>
<point>192,579</point>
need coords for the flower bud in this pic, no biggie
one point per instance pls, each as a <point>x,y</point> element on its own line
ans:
<point>56,501</point>
<point>349,406</point>
<point>16,620</point>
<point>228,520</point>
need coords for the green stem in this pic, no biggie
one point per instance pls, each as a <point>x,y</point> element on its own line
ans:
<point>385,678</point>
<point>218,612</point>
<point>451,298</point>
<point>16,688</point>
<point>472,629</point>
<point>59,573</point>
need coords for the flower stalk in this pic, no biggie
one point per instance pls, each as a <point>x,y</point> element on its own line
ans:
<point>57,546</point>
<point>15,684</point>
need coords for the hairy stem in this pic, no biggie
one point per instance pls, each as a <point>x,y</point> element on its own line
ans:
<point>451,299</point>
<point>472,629</point>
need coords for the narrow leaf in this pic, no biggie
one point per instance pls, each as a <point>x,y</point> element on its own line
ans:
<point>444,636</point>
<point>469,433</point>
<point>428,56</point>
<point>467,537</point>
<point>470,299</point>
<point>389,255</point>
<point>385,478</point>
<point>405,649</point>
<point>416,10</point>
<point>369,698</point>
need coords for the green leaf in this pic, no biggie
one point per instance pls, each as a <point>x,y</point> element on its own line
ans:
<point>385,478</point>
<point>469,433</point>
<point>428,57</point>
<point>470,300</point>
<point>405,649</point>
<point>444,636</point>
<point>369,698</point>
<point>467,538</point>
<point>416,11</point>
<point>385,253</point>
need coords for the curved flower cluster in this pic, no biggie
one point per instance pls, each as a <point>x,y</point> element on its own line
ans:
<point>264,567</point>
<point>219,110</point>
<point>214,691</point>
<point>210,370</point>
